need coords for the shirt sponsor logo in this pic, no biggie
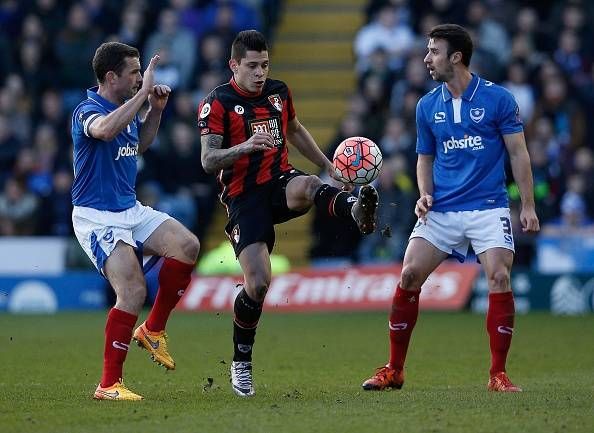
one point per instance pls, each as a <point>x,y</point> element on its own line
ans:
<point>127,150</point>
<point>474,142</point>
<point>270,125</point>
<point>477,114</point>
<point>439,117</point>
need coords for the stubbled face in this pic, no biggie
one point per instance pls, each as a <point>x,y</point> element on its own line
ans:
<point>250,72</point>
<point>129,81</point>
<point>437,60</point>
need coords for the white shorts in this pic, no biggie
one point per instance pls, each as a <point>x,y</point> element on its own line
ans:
<point>98,231</point>
<point>452,232</point>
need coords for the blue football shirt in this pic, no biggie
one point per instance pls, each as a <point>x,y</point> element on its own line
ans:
<point>104,172</point>
<point>465,136</point>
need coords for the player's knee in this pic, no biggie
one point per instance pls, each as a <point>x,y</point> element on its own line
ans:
<point>191,247</point>
<point>132,298</point>
<point>258,292</point>
<point>313,183</point>
<point>499,280</point>
<point>410,278</point>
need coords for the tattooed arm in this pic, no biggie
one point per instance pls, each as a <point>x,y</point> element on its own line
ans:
<point>214,158</point>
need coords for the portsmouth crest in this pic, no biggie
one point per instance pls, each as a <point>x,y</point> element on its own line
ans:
<point>276,102</point>
<point>477,114</point>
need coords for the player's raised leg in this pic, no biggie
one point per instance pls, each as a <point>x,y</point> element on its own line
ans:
<point>304,191</point>
<point>180,248</point>
<point>420,259</point>
<point>125,276</point>
<point>255,262</point>
<point>497,263</point>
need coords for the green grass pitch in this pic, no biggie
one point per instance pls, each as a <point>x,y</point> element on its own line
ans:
<point>308,372</point>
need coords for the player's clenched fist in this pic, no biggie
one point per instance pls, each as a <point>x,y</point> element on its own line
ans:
<point>259,141</point>
<point>423,205</point>
<point>158,96</point>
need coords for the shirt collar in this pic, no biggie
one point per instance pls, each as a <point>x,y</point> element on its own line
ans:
<point>241,91</point>
<point>468,93</point>
<point>92,94</point>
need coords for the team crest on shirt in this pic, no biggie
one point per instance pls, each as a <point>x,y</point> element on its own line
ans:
<point>276,101</point>
<point>477,114</point>
<point>239,109</point>
<point>205,110</point>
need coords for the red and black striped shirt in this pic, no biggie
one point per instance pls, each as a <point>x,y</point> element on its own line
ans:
<point>236,115</point>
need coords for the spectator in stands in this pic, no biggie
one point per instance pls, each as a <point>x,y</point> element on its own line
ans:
<point>574,218</point>
<point>75,44</point>
<point>9,149</point>
<point>490,35</point>
<point>398,139</point>
<point>517,83</point>
<point>132,26</point>
<point>396,218</point>
<point>388,31</point>
<point>56,208</point>
<point>565,114</point>
<point>583,163</point>
<point>18,210</point>
<point>180,43</point>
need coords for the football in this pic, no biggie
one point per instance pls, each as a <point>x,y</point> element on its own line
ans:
<point>357,160</point>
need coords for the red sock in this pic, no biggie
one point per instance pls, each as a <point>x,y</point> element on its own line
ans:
<point>174,278</point>
<point>500,326</point>
<point>118,333</point>
<point>405,309</point>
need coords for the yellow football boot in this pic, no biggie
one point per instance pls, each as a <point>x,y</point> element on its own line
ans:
<point>156,344</point>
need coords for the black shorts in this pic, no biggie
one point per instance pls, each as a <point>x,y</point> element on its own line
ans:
<point>252,215</point>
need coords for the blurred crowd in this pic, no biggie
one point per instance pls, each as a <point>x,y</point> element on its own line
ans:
<point>542,51</point>
<point>46,48</point>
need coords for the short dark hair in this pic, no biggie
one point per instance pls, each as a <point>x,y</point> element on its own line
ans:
<point>247,40</point>
<point>457,37</point>
<point>111,56</point>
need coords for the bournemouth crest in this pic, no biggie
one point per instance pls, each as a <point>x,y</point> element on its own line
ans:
<point>276,102</point>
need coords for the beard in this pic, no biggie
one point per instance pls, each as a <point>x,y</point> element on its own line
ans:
<point>446,75</point>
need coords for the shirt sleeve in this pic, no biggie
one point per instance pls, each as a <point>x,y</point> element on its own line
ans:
<point>425,139</point>
<point>290,107</point>
<point>508,119</point>
<point>211,115</point>
<point>84,117</point>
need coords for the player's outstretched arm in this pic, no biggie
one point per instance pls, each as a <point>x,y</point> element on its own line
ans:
<point>522,171</point>
<point>106,128</point>
<point>215,158</point>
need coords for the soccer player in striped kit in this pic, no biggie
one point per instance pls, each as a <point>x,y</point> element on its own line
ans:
<point>245,125</point>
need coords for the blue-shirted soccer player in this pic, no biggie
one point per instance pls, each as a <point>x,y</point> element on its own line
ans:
<point>113,228</point>
<point>465,128</point>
